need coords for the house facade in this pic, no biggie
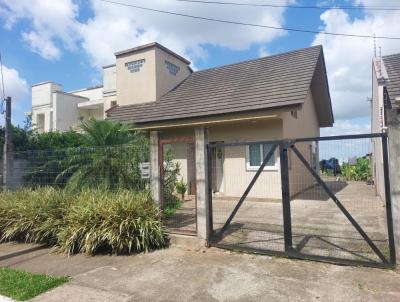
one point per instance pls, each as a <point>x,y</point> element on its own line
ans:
<point>385,91</point>
<point>276,97</point>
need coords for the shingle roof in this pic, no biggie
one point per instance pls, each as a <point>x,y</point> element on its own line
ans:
<point>392,66</point>
<point>264,83</point>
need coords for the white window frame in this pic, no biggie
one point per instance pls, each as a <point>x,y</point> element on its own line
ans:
<point>266,168</point>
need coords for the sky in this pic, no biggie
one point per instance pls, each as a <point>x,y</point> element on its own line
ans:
<point>68,41</point>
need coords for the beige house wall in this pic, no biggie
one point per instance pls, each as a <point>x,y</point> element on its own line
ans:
<point>165,81</point>
<point>236,174</point>
<point>136,87</point>
<point>300,124</point>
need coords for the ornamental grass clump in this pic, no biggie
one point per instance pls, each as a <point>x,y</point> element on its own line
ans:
<point>120,222</point>
<point>32,215</point>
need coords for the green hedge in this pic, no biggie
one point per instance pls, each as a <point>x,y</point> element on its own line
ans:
<point>91,221</point>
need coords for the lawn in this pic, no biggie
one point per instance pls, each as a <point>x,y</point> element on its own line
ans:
<point>22,286</point>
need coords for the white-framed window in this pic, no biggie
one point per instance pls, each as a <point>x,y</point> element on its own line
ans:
<point>255,154</point>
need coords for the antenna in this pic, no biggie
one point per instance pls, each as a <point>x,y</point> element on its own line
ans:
<point>374,46</point>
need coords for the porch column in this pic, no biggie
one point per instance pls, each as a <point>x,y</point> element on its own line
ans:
<point>154,167</point>
<point>201,141</point>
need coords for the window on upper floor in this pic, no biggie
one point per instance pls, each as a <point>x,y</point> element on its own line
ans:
<point>172,68</point>
<point>135,66</point>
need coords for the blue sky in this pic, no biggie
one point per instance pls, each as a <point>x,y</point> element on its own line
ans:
<point>68,41</point>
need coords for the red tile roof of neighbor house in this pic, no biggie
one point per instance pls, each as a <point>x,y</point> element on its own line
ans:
<point>392,66</point>
<point>264,83</point>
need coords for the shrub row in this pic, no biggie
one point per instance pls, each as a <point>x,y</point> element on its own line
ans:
<point>92,221</point>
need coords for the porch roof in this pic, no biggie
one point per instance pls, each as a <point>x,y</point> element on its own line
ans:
<point>266,83</point>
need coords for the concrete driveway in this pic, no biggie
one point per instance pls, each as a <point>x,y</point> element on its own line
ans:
<point>178,274</point>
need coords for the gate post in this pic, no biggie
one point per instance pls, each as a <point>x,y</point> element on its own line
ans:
<point>155,183</point>
<point>287,219</point>
<point>201,141</point>
<point>393,124</point>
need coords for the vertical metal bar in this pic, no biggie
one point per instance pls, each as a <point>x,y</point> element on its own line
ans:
<point>388,199</point>
<point>210,226</point>
<point>287,219</point>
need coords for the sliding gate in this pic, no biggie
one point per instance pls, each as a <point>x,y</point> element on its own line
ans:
<point>322,198</point>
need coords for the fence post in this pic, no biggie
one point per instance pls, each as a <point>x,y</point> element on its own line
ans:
<point>388,199</point>
<point>201,141</point>
<point>155,183</point>
<point>8,156</point>
<point>210,223</point>
<point>287,219</point>
<point>393,124</point>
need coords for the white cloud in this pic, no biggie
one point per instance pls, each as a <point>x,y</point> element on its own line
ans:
<point>53,24</point>
<point>347,127</point>
<point>15,85</point>
<point>349,60</point>
<point>42,46</point>
<point>114,28</point>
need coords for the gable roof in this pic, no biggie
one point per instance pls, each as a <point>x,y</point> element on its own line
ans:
<point>269,82</point>
<point>392,66</point>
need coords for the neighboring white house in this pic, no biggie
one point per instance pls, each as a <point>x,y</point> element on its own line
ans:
<point>54,109</point>
<point>385,90</point>
<point>140,75</point>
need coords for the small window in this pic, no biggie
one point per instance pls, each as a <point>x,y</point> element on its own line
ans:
<point>256,154</point>
<point>113,103</point>
<point>134,66</point>
<point>172,68</point>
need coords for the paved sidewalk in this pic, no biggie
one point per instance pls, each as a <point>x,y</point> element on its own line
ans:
<point>212,275</point>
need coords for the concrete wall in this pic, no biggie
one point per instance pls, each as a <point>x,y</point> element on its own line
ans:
<point>42,93</point>
<point>66,114</point>
<point>377,124</point>
<point>109,79</point>
<point>90,93</point>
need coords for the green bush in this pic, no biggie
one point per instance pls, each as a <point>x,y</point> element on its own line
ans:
<point>90,221</point>
<point>181,188</point>
<point>118,222</point>
<point>32,216</point>
<point>361,171</point>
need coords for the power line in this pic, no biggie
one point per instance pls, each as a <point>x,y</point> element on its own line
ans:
<point>380,8</point>
<point>250,24</point>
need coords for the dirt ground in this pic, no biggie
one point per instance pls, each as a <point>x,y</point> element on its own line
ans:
<point>176,274</point>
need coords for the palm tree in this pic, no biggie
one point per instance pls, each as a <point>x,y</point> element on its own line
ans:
<point>109,158</point>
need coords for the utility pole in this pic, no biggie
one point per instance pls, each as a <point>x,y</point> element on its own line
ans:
<point>8,147</point>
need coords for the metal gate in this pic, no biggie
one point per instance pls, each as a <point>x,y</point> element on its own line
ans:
<point>320,198</point>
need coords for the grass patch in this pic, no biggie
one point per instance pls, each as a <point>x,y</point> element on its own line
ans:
<point>23,286</point>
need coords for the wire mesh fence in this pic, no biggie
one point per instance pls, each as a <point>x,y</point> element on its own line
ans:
<point>109,168</point>
<point>336,196</point>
